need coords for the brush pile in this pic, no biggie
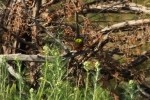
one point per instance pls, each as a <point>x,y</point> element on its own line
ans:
<point>119,50</point>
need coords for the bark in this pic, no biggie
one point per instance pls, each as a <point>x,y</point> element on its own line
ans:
<point>28,58</point>
<point>123,25</point>
<point>36,10</point>
<point>116,7</point>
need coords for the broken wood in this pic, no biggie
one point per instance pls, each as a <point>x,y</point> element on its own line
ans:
<point>117,7</point>
<point>29,58</point>
<point>121,25</point>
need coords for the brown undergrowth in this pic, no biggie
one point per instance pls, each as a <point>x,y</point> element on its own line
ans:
<point>119,53</point>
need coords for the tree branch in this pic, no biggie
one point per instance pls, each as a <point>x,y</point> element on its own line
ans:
<point>122,25</point>
<point>138,8</point>
<point>23,57</point>
<point>10,69</point>
<point>116,7</point>
<point>139,60</point>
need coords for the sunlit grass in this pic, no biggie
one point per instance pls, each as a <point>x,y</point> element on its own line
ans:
<point>51,83</point>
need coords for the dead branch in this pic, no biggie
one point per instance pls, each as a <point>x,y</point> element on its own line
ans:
<point>116,7</point>
<point>46,4</point>
<point>138,8</point>
<point>102,8</point>
<point>139,60</point>
<point>112,6</point>
<point>142,88</point>
<point>35,14</point>
<point>56,40</point>
<point>119,26</point>
<point>11,70</point>
<point>23,57</point>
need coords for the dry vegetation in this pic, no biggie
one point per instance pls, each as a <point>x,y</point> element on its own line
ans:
<point>120,48</point>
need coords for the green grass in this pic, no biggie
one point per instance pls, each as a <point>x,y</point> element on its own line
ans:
<point>51,86</point>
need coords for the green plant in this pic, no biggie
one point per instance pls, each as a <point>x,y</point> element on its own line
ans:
<point>53,87</point>
<point>130,90</point>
